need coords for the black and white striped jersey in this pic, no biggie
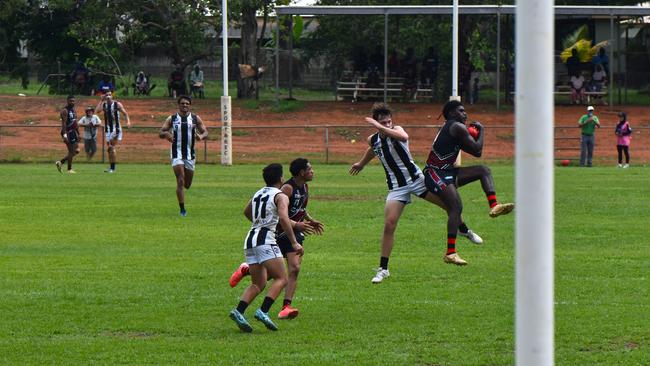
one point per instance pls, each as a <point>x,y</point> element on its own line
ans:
<point>183,129</point>
<point>111,118</point>
<point>265,218</point>
<point>396,159</point>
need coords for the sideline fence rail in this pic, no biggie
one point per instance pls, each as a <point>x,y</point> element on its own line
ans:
<point>322,143</point>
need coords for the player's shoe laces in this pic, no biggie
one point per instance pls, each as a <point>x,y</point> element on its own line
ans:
<point>472,236</point>
<point>381,274</point>
<point>242,323</point>
<point>288,312</point>
<point>454,258</point>
<point>239,273</point>
<point>265,319</point>
<point>58,166</point>
<point>501,209</point>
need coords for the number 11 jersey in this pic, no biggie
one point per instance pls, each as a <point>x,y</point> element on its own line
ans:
<point>265,218</point>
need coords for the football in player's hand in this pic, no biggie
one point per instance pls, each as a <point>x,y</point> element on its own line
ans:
<point>473,131</point>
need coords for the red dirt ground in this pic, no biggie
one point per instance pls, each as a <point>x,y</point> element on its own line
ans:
<point>303,132</point>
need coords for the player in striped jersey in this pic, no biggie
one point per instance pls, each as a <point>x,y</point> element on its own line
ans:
<point>442,177</point>
<point>112,125</point>
<point>390,145</point>
<point>297,190</point>
<point>267,208</point>
<point>69,134</point>
<point>181,129</point>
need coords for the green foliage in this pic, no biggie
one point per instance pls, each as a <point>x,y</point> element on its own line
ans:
<point>110,274</point>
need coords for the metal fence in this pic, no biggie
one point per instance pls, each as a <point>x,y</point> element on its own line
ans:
<point>319,143</point>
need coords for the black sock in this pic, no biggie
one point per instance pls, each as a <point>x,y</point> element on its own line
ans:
<point>112,166</point>
<point>266,304</point>
<point>241,307</point>
<point>182,206</point>
<point>463,228</point>
<point>286,302</point>
<point>383,262</point>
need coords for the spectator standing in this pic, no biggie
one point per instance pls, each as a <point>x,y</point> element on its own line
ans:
<point>90,122</point>
<point>623,137</point>
<point>176,83</point>
<point>588,123</point>
<point>573,63</point>
<point>196,81</point>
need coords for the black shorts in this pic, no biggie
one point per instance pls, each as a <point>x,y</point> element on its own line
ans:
<point>73,137</point>
<point>285,244</point>
<point>436,180</point>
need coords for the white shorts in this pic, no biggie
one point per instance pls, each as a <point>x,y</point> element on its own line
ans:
<point>403,194</point>
<point>113,135</point>
<point>188,163</point>
<point>262,253</point>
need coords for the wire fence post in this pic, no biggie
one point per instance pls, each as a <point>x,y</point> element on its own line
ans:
<point>327,145</point>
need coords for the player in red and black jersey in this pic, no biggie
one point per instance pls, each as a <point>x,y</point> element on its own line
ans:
<point>297,190</point>
<point>442,177</point>
<point>69,134</point>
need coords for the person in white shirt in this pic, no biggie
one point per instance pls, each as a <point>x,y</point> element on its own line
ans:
<point>577,83</point>
<point>90,122</point>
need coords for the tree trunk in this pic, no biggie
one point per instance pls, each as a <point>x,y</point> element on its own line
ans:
<point>247,51</point>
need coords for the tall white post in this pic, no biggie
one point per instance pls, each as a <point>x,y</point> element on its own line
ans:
<point>226,135</point>
<point>534,321</point>
<point>454,53</point>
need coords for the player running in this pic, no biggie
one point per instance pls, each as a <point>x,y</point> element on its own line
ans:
<point>181,130</point>
<point>297,190</point>
<point>267,208</point>
<point>442,178</point>
<point>112,125</point>
<point>390,145</point>
<point>69,134</point>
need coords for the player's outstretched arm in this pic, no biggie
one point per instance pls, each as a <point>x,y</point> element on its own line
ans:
<point>203,131</point>
<point>467,143</point>
<point>368,155</point>
<point>164,130</point>
<point>282,202</point>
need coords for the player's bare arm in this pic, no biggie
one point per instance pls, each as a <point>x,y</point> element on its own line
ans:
<point>64,117</point>
<point>164,130</point>
<point>248,211</point>
<point>99,105</point>
<point>200,126</point>
<point>368,155</point>
<point>282,202</point>
<point>389,129</point>
<point>121,109</point>
<point>467,142</point>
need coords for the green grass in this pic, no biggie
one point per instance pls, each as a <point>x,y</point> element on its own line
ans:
<point>100,269</point>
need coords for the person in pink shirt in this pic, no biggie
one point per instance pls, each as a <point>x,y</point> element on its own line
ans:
<point>623,136</point>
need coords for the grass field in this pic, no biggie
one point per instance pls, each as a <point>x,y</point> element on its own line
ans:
<point>100,269</point>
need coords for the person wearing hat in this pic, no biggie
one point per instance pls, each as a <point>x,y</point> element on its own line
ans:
<point>90,122</point>
<point>588,123</point>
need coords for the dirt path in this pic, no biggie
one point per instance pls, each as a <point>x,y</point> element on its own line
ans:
<point>346,141</point>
